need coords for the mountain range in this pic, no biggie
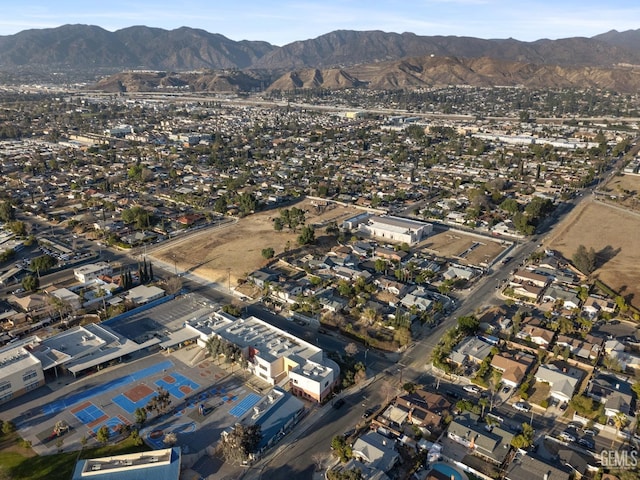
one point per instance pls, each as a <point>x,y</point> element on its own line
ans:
<point>337,59</point>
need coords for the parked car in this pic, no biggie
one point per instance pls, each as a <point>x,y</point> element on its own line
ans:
<point>506,389</point>
<point>587,443</point>
<point>590,431</point>
<point>564,406</point>
<point>471,389</point>
<point>368,412</point>
<point>567,436</point>
<point>522,407</point>
<point>338,403</point>
<point>575,426</point>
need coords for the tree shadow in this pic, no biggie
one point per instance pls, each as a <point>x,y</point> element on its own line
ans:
<point>605,255</point>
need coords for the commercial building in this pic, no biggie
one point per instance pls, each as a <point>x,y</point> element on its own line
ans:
<point>86,273</point>
<point>396,229</point>
<point>154,465</point>
<point>20,372</point>
<point>274,355</point>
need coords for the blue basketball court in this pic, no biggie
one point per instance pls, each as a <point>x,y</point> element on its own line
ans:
<point>89,414</point>
<point>130,406</point>
<point>64,403</point>
<point>245,405</point>
<point>181,386</point>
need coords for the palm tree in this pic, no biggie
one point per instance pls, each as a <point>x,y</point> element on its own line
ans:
<point>484,403</point>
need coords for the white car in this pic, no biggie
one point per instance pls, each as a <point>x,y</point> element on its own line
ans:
<point>522,407</point>
<point>471,389</point>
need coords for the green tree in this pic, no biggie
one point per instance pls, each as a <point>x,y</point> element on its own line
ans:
<point>7,212</point>
<point>468,324</point>
<point>307,236</point>
<point>240,442</point>
<point>341,448</point>
<point>585,260</point>
<point>8,427</point>
<point>268,253</point>
<point>30,283</point>
<point>103,435</point>
<point>140,415</point>
<point>524,439</point>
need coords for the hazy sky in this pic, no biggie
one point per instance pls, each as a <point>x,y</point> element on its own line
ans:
<point>283,21</point>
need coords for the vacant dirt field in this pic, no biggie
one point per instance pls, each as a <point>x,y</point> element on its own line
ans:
<point>235,250</point>
<point>454,244</point>
<point>627,190</point>
<point>613,234</point>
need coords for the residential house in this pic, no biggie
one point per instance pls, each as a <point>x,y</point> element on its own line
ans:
<point>579,347</point>
<point>514,367</point>
<point>569,298</point>
<point>458,271</point>
<point>563,382</point>
<point>525,276</point>
<point>263,276</point>
<point>538,335</point>
<point>536,468</point>
<point>417,299</point>
<point>389,254</point>
<point>492,445</point>
<point>392,286</point>
<point>472,349</point>
<point>594,305</point>
<point>616,350</point>
<point>613,391</point>
<point>424,409</point>
<point>376,451</point>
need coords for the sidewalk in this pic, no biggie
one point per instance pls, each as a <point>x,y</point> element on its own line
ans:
<point>315,414</point>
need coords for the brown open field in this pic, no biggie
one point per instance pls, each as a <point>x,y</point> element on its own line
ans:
<point>627,190</point>
<point>238,246</point>
<point>451,244</point>
<point>613,233</point>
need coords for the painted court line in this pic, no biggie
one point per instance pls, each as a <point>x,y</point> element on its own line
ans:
<point>63,404</point>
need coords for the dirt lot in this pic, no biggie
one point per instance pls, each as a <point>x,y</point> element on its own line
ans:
<point>456,244</point>
<point>613,234</point>
<point>627,190</point>
<point>238,247</point>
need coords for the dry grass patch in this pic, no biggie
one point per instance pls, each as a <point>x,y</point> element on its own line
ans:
<point>613,233</point>
<point>230,252</point>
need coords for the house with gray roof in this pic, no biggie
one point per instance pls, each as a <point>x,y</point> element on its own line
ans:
<point>376,451</point>
<point>472,349</point>
<point>563,382</point>
<point>491,444</point>
<point>536,468</point>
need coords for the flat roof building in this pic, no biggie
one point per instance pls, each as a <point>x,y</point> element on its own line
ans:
<point>86,273</point>
<point>20,372</point>
<point>396,229</point>
<point>274,355</point>
<point>153,465</point>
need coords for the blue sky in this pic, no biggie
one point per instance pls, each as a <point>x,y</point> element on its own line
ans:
<point>283,21</point>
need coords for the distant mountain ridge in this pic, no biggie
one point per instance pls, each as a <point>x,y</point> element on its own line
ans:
<point>187,58</point>
<point>141,47</point>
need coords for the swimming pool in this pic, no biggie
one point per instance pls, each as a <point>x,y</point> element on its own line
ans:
<point>449,471</point>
